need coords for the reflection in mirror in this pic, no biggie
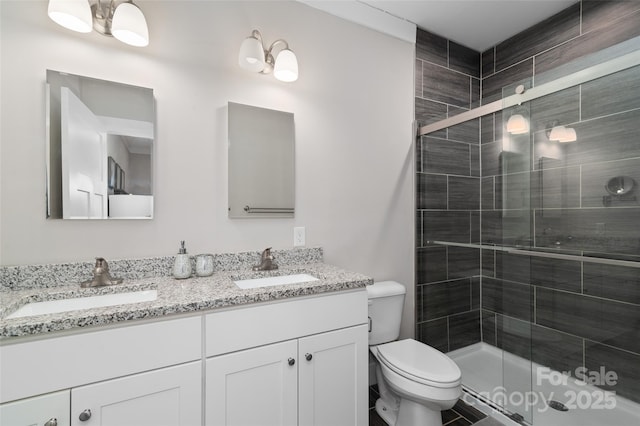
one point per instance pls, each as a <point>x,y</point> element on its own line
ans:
<point>261,162</point>
<point>99,149</point>
<point>620,185</point>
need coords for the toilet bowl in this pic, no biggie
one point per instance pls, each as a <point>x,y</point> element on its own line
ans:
<point>416,382</point>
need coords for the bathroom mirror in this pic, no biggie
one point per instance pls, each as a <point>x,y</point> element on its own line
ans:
<point>261,162</point>
<point>620,185</point>
<point>100,145</point>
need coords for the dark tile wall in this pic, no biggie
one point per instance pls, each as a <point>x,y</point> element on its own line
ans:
<point>560,313</point>
<point>448,196</point>
<point>586,27</point>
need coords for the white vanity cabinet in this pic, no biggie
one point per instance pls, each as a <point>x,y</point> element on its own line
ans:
<point>332,377</point>
<point>315,380</point>
<point>168,396</point>
<point>44,410</point>
<point>296,361</point>
<point>127,375</point>
<point>300,362</point>
<point>253,387</point>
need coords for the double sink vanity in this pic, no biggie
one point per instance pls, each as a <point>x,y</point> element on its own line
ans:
<point>240,347</point>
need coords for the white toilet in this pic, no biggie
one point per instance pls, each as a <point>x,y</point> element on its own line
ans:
<point>416,382</point>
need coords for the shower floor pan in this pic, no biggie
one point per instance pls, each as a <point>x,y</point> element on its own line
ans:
<point>482,367</point>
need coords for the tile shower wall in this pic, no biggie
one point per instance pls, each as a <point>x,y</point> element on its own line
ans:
<point>448,195</point>
<point>559,313</point>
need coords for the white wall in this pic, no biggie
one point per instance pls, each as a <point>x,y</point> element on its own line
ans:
<point>353,106</point>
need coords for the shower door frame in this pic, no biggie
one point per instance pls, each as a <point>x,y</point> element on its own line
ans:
<point>628,59</point>
<point>623,62</point>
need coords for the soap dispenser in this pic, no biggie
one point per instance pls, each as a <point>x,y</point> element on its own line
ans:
<point>182,263</point>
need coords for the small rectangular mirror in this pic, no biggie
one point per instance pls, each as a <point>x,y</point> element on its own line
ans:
<point>99,149</point>
<point>261,162</point>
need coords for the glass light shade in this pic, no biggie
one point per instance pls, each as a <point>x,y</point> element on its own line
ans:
<point>251,56</point>
<point>71,14</point>
<point>517,124</point>
<point>569,135</point>
<point>557,133</point>
<point>563,134</point>
<point>286,67</point>
<point>129,26</point>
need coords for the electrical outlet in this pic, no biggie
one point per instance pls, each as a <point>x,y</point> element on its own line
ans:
<point>298,236</point>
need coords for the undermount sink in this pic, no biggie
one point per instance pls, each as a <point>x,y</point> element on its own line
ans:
<point>273,281</point>
<point>78,303</point>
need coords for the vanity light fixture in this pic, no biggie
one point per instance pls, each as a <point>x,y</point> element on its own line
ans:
<point>120,19</point>
<point>517,124</point>
<point>254,57</point>
<point>569,135</point>
<point>561,134</point>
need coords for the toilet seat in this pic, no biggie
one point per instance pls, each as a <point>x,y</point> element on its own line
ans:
<point>420,363</point>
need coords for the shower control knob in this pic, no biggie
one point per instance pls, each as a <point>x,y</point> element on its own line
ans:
<point>308,357</point>
<point>291,361</point>
<point>52,422</point>
<point>85,415</point>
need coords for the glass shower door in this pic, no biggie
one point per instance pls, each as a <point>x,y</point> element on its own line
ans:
<point>570,249</point>
<point>550,256</point>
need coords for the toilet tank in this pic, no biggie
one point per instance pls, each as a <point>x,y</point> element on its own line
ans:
<point>386,299</point>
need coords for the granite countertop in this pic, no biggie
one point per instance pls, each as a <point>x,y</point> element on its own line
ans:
<point>173,297</point>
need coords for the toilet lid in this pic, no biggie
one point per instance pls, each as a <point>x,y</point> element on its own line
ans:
<point>423,363</point>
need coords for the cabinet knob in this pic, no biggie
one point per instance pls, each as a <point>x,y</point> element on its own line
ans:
<point>85,415</point>
<point>308,357</point>
<point>291,361</point>
<point>52,422</point>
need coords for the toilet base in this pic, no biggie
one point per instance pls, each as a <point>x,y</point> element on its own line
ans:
<point>398,411</point>
<point>388,414</point>
<point>410,413</point>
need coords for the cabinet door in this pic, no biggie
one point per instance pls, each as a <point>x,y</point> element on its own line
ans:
<point>37,411</point>
<point>333,378</point>
<point>170,397</point>
<point>255,387</point>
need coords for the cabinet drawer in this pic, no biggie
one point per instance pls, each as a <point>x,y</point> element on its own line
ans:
<point>73,360</point>
<point>251,326</point>
<point>37,410</point>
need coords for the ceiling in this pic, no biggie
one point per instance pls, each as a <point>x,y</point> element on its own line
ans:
<point>137,145</point>
<point>478,24</point>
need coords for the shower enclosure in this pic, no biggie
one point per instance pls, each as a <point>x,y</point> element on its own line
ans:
<point>550,214</point>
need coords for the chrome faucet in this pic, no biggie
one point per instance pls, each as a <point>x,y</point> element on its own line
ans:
<point>266,261</point>
<point>101,275</point>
